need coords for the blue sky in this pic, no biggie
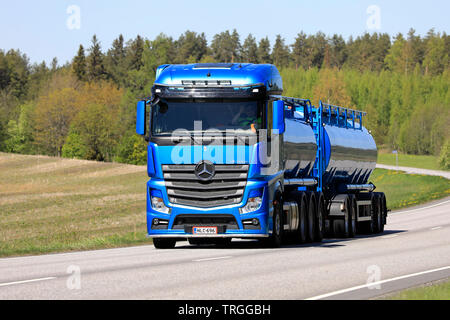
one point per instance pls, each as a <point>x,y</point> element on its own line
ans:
<point>39,28</point>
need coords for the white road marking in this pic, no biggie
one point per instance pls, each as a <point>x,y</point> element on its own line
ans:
<point>326,295</point>
<point>436,228</point>
<point>434,205</point>
<point>208,259</point>
<point>25,281</point>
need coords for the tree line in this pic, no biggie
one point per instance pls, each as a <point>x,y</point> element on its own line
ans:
<point>86,108</point>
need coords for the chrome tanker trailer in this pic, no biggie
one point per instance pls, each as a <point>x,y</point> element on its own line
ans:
<point>230,157</point>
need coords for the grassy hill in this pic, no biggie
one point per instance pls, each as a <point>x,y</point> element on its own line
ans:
<point>407,160</point>
<point>52,204</point>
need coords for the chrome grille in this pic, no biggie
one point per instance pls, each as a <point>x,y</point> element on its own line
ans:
<point>226,187</point>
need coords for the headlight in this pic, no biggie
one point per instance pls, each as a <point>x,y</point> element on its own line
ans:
<point>158,205</point>
<point>253,204</point>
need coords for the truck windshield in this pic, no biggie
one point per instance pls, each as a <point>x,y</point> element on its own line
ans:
<point>243,116</point>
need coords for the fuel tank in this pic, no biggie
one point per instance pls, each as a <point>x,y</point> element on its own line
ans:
<point>350,154</point>
<point>300,148</point>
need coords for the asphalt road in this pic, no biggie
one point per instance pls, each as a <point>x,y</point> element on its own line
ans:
<point>414,249</point>
<point>409,170</point>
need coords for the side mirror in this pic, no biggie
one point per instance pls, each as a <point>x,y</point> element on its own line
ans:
<point>278,116</point>
<point>140,118</point>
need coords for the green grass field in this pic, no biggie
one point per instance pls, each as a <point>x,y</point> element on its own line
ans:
<point>408,160</point>
<point>52,204</point>
<point>437,291</point>
<point>404,190</point>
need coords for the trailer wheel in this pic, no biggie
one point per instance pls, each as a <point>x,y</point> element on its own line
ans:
<point>311,218</point>
<point>383,196</point>
<point>299,235</point>
<point>383,210</point>
<point>352,216</point>
<point>320,218</point>
<point>162,243</point>
<point>341,226</point>
<point>368,227</point>
<point>378,214</point>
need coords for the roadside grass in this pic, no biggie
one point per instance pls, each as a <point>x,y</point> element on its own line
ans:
<point>404,190</point>
<point>51,204</point>
<point>56,205</point>
<point>408,160</point>
<point>436,291</point>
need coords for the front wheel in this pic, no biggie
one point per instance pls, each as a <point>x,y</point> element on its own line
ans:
<point>274,241</point>
<point>161,243</point>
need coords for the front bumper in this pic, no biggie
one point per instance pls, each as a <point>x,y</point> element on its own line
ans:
<point>237,231</point>
<point>224,235</point>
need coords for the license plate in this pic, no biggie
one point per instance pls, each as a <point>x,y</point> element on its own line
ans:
<point>204,230</point>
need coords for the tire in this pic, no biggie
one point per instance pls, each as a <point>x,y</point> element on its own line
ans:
<point>275,239</point>
<point>311,218</point>
<point>383,210</point>
<point>341,226</point>
<point>300,235</point>
<point>320,218</point>
<point>368,227</point>
<point>162,243</point>
<point>352,216</point>
<point>372,225</point>
<point>378,214</point>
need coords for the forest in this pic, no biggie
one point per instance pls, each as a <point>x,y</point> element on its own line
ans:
<point>86,108</point>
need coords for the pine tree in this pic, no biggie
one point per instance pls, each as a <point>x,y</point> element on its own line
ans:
<point>135,49</point>
<point>299,51</point>
<point>95,66</point>
<point>54,64</point>
<point>250,50</point>
<point>395,60</point>
<point>337,51</point>
<point>236,47</point>
<point>264,51</point>
<point>115,61</point>
<point>315,45</point>
<point>436,57</point>
<point>280,53</point>
<point>191,47</point>
<point>226,47</point>
<point>79,64</point>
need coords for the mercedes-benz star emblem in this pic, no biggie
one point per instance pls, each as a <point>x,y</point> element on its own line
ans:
<point>205,170</point>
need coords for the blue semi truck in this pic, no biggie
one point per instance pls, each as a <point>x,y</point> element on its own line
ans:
<point>230,157</point>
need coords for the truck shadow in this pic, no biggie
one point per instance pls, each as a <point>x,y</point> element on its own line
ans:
<point>255,244</point>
